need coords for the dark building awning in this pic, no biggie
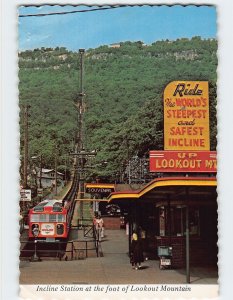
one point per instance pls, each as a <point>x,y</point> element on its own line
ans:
<point>174,187</point>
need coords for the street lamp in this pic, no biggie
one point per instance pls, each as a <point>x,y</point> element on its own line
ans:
<point>35,232</point>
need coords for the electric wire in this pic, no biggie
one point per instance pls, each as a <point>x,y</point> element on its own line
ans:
<point>69,12</point>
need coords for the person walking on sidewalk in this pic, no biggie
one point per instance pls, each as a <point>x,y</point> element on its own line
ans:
<point>136,256</point>
<point>99,226</point>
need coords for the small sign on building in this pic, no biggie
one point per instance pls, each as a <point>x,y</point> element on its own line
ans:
<point>183,161</point>
<point>99,188</point>
<point>25,195</point>
<point>40,192</point>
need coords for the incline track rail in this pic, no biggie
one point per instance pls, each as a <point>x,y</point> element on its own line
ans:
<point>70,196</point>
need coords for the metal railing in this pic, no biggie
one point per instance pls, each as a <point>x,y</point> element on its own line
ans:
<point>89,230</point>
<point>78,249</point>
<point>30,246</point>
<point>78,252</point>
<point>82,222</point>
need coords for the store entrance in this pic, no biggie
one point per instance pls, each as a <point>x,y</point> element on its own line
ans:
<point>166,225</point>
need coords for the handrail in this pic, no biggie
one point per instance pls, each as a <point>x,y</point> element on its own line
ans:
<point>91,227</point>
<point>60,253</point>
<point>81,222</point>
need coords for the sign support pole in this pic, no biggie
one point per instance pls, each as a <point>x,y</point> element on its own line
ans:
<point>25,172</point>
<point>187,237</point>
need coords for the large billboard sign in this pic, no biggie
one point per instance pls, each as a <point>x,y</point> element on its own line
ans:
<point>186,116</point>
<point>183,161</point>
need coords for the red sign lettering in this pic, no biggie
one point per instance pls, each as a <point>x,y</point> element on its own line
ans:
<point>183,161</point>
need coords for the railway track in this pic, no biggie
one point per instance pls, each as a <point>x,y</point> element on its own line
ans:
<point>70,196</point>
<point>43,249</point>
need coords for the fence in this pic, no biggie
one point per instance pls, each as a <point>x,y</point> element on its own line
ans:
<point>76,249</point>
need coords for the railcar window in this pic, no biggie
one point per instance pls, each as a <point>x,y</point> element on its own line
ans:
<point>40,206</point>
<point>61,218</point>
<point>52,218</point>
<point>48,218</point>
<point>35,218</point>
<point>43,218</point>
<point>57,206</point>
<point>60,229</point>
<point>39,218</point>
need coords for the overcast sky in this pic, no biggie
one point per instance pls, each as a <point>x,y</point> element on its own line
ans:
<point>103,27</point>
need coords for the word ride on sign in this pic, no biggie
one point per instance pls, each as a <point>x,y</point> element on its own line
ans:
<point>183,161</point>
<point>186,115</point>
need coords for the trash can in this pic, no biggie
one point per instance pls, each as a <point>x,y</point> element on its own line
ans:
<point>165,257</point>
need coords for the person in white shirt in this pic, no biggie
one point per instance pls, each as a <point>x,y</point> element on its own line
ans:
<point>99,225</point>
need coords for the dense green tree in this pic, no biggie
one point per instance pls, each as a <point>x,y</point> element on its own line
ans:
<point>123,97</point>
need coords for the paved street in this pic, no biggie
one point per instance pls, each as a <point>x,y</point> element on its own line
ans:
<point>112,268</point>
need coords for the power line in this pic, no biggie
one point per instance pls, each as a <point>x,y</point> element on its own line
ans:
<point>96,9</point>
<point>69,12</point>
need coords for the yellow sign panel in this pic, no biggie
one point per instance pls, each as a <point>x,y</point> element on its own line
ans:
<point>186,116</point>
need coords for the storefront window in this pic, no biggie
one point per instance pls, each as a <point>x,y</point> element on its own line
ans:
<point>162,221</point>
<point>177,221</point>
<point>173,222</point>
<point>194,220</point>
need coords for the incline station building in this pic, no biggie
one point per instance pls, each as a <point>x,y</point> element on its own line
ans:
<point>172,210</point>
<point>178,208</point>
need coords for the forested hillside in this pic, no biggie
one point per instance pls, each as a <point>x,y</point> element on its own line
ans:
<point>123,97</point>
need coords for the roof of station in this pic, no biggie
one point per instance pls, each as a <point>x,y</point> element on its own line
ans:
<point>100,185</point>
<point>174,187</point>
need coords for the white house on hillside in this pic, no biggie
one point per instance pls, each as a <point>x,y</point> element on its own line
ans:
<point>48,178</point>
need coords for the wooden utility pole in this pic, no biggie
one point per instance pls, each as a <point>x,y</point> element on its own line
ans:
<point>25,164</point>
<point>56,170</point>
<point>40,170</point>
<point>187,237</point>
<point>80,103</point>
<point>81,160</point>
<point>81,154</point>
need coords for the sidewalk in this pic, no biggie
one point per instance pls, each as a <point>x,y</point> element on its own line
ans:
<point>112,268</point>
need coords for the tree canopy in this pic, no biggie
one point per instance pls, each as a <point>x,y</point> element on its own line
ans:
<point>123,97</point>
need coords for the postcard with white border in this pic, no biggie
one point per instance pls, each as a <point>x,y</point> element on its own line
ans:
<point>118,151</point>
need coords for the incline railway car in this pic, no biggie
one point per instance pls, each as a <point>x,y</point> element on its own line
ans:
<point>49,221</point>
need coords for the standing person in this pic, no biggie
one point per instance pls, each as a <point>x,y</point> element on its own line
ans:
<point>102,228</point>
<point>99,225</point>
<point>142,237</point>
<point>136,251</point>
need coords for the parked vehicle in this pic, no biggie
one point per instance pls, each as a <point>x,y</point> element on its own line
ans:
<point>113,210</point>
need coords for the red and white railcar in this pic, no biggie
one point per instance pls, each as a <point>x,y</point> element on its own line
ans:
<point>49,219</point>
